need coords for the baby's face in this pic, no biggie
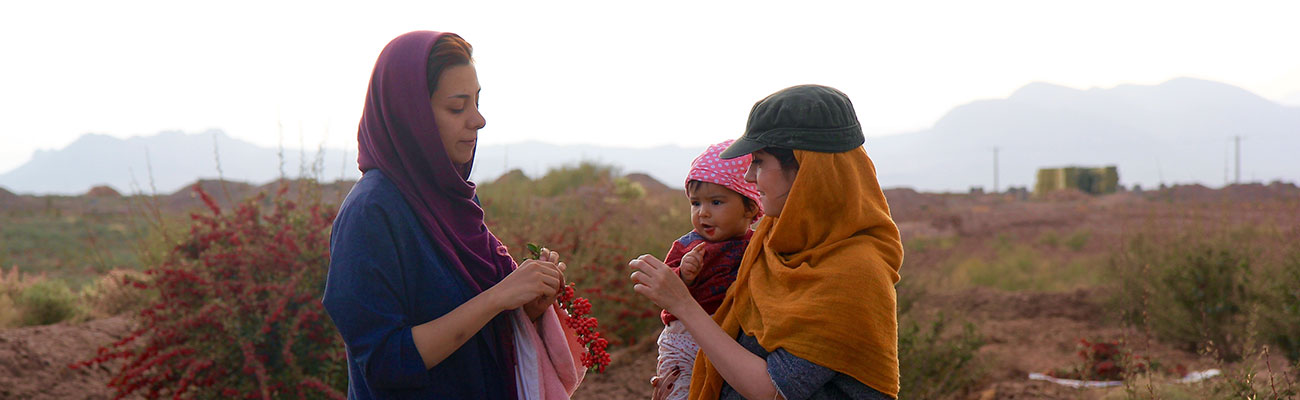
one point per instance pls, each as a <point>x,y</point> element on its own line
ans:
<point>718,213</point>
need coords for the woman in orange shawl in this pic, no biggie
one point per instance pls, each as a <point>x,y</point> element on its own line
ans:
<point>812,312</point>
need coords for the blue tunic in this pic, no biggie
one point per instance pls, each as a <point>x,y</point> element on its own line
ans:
<point>385,277</point>
<point>799,379</point>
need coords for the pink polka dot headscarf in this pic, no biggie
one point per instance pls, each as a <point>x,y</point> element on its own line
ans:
<point>728,173</point>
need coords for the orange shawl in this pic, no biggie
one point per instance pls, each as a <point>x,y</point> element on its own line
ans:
<point>819,280</point>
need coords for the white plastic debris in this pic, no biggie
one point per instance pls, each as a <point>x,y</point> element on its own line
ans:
<point>1074,382</point>
<point>1199,376</point>
<point>1190,378</point>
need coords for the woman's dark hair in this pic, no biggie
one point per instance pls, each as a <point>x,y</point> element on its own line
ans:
<point>449,51</point>
<point>784,156</point>
<point>693,185</point>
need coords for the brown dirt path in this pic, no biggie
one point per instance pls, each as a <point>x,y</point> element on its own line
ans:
<point>34,360</point>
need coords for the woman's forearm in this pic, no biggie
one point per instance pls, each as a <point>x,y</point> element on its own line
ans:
<point>437,339</point>
<point>744,371</point>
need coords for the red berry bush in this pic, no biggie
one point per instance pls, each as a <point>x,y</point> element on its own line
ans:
<point>238,313</point>
<point>1104,361</point>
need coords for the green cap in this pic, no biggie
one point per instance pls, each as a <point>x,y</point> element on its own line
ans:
<point>805,117</point>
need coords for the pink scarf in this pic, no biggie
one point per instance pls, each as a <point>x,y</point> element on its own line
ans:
<point>547,354</point>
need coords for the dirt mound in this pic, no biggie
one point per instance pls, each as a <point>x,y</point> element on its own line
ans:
<point>906,204</point>
<point>34,360</point>
<point>1193,192</point>
<point>1256,192</point>
<point>330,193</point>
<point>649,183</point>
<point>514,175</point>
<point>224,192</point>
<point>1066,195</point>
<point>103,191</point>
<point>12,202</point>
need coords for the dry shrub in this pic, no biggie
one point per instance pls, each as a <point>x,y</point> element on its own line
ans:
<point>46,302</point>
<point>12,285</point>
<point>1194,290</point>
<point>27,299</point>
<point>1282,307</point>
<point>937,355</point>
<point>116,292</point>
<point>9,314</point>
<point>935,360</point>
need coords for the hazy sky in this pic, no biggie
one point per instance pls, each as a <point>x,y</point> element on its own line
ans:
<point>600,72</point>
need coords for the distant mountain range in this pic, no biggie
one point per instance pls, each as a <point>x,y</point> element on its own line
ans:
<point>174,159</point>
<point>1180,131</point>
<point>165,162</point>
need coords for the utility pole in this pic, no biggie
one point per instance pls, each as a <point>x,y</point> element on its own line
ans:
<point>995,170</point>
<point>1237,139</point>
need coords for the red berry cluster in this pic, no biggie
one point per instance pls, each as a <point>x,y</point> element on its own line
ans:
<point>578,309</point>
<point>1104,361</point>
<point>238,310</point>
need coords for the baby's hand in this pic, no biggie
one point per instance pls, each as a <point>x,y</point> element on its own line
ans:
<point>691,264</point>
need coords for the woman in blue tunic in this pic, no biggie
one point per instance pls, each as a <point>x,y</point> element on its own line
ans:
<point>418,287</point>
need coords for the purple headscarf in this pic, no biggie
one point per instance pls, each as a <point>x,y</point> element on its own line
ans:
<point>398,136</point>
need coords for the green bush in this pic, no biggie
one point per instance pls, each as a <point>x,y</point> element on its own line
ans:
<point>1077,240</point>
<point>1018,267</point>
<point>628,190</point>
<point>62,247</point>
<point>934,362</point>
<point>1049,239</point>
<point>1282,310</point>
<point>1194,291</point>
<point>568,178</point>
<point>927,244</point>
<point>46,302</point>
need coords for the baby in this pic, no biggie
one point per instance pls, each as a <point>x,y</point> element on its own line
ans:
<point>723,207</point>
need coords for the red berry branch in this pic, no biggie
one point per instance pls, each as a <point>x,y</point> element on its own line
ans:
<point>595,359</point>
